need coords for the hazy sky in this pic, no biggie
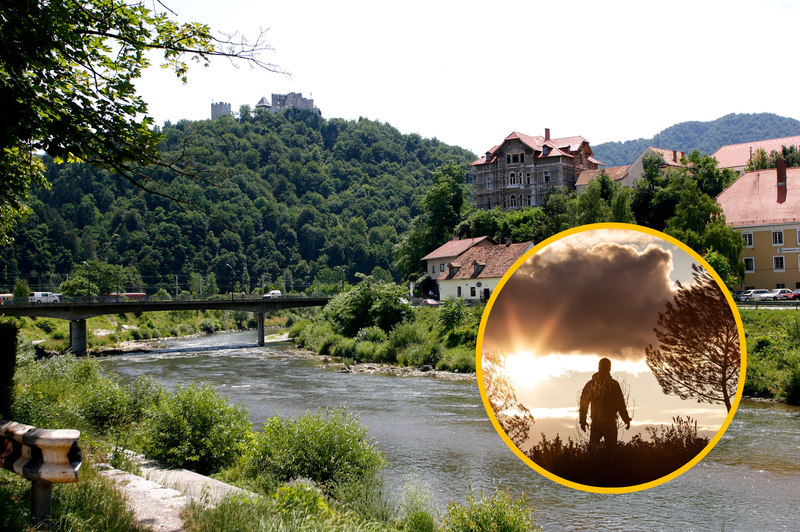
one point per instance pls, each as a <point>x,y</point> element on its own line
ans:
<point>591,295</point>
<point>470,73</point>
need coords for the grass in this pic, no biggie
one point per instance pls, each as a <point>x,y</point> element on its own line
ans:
<point>630,463</point>
<point>92,504</point>
<point>773,354</point>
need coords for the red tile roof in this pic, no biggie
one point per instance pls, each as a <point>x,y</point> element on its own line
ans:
<point>671,157</point>
<point>614,172</point>
<point>536,143</point>
<point>735,155</point>
<point>453,248</point>
<point>496,260</point>
<point>753,199</point>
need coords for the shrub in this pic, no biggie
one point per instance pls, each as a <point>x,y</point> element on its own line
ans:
<point>496,513</point>
<point>421,355</point>
<point>461,359</point>
<point>370,352</point>
<point>104,403</point>
<point>417,506</point>
<point>371,334</point>
<point>402,336</point>
<point>207,325</point>
<point>197,429</point>
<point>297,327</point>
<point>299,496</point>
<point>452,313</point>
<point>136,334</point>
<point>366,496</point>
<point>326,446</point>
<point>46,324</point>
<point>185,329</point>
<point>346,348</point>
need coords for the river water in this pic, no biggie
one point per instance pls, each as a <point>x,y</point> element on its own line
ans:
<point>439,431</point>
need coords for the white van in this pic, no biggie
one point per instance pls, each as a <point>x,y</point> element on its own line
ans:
<point>273,294</point>
<point>43,297</point>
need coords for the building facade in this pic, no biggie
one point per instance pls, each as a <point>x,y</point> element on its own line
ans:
<point>764,206</point>
<point>522,169</point>
<point>627,175</point>
<point>474,275</point>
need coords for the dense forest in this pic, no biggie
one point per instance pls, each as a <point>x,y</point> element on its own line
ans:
<point>296,197</point>
<point>706,137</point>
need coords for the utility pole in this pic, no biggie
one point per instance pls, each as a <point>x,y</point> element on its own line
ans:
<point>176,287</point>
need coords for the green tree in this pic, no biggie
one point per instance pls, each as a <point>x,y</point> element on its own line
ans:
<point>21,289</point>
<point>703,169</point>
<point>369,304</point>
<point>67,80</point>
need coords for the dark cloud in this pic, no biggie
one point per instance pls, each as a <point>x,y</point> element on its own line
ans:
<point>600,299</point>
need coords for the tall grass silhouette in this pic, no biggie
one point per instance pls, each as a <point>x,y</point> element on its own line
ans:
<point>625,464</point>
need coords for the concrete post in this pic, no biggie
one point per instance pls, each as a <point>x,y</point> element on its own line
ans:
<point>77,336</point>
<point>260,328</point>
<point>41,503</point>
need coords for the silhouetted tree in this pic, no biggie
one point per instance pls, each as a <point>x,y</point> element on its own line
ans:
<point>512,415</point>
<point>699,357</point>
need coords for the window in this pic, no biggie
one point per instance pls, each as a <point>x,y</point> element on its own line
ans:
<point>780,285</point>
<point>748,239</point>
<point>515,158</point>
<point>798,236</point>
<point>441,267</point>
<point>508,158</point>
<point>777,264</point>
<point>547,176</point>
<point>458,291</point>
<point>512,179</point>
<point>488,203</point>
<point>471,291</point>
<point>798,232</point>
<point>433,269</point>
<point>513,201</point>
<point>529,200</point>
<point>488,183</point>
<point>477,268</point>
<point>749,264</point>
<point>777,238</point>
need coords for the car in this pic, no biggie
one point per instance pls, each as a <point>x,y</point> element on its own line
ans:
<point>430,302</point>
<point>776,294</point>
<point>43,297</point>
<point>754,295</point>
<point>272,294</point>
<point>794,294</point>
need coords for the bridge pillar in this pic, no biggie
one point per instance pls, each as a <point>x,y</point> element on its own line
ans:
<point>77,336</point>
<point>260,328</point>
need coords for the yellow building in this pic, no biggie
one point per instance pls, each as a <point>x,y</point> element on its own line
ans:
<point>764,206</point>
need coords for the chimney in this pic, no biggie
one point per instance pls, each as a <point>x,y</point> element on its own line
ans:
<point>508,241</point>
<point>547,133</point>
<point>781,171</point>
<point>455,238</point>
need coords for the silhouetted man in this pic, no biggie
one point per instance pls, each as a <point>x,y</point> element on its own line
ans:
<point>604,397</point>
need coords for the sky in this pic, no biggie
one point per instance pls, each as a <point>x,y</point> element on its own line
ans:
<point>471,73</point>
<point>587,296</point>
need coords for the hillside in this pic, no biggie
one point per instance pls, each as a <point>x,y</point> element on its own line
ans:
<point>299,196</point>
<point>707,137</point>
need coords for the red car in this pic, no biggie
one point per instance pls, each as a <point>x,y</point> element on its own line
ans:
<point>795,294</point>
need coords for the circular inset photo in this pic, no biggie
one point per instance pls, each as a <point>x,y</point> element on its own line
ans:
<point>611,358</point>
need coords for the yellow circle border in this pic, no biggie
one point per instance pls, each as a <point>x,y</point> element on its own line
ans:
<point>479,358</point>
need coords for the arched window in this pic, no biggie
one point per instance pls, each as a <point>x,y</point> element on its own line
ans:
<point>512,179</point>
<point>513,201</point>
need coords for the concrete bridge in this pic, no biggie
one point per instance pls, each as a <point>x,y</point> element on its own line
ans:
<point>78,313</point>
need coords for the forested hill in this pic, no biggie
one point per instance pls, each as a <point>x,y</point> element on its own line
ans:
<point>304,197</point>
<point>707,137</point>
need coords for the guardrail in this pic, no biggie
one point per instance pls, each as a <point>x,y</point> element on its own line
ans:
<point>783,303</point>
<point>43,456</point>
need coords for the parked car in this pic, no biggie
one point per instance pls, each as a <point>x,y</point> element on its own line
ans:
<point>430,303</point>
<point>272,294</point>
<point>794,294</point>
<point>43,297</point>
<point>754,295</point>
<point>777,293</point>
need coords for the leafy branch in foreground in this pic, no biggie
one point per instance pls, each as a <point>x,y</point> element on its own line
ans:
<point>67,73</point>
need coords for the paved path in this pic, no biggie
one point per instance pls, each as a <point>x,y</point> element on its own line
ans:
<point>159,495</point>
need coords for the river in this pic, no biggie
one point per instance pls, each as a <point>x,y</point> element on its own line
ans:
<point>438,430</point>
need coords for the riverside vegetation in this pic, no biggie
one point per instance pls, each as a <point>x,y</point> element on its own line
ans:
<point>316,472</point>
